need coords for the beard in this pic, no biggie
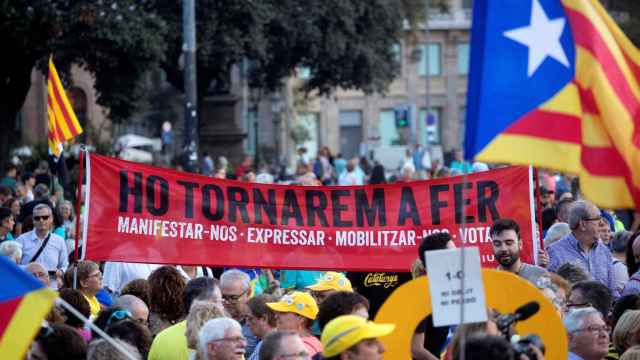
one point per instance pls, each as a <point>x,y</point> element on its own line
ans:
<point>507,259</point>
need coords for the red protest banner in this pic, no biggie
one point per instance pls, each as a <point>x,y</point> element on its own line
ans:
<point>140,213</point>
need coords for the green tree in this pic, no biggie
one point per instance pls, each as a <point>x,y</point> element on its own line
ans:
<point>117,41</point>
<point>345,43</point>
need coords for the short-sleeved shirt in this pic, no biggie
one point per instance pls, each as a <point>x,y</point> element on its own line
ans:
<point>54,256</point>
<point>118,274</point>
<point>170,343</point>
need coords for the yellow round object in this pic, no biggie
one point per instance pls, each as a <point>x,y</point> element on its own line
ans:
<point>504,292</point>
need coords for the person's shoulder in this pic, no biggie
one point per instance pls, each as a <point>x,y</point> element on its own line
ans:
<point>56,237</point>
<point>562,243</point>
<point>538,270</point>
<point>25,236</point>
<point>174,330</point>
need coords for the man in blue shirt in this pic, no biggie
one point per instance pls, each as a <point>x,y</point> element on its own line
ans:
<point>583,246</point>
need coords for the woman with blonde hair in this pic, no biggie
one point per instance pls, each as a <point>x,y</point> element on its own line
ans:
<point>627,331</point>
<point>633,353</point>
<point>199,314</point>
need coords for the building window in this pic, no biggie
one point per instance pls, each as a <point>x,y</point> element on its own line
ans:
<point>463,58</point>
<point>250,125</point>
<point>387,129</point>
<point>397,55</point>
<point>430,125</point>
<point>304,72</point>
<point>434,60</point>
<point>350,133</point>
<point>309,121</point>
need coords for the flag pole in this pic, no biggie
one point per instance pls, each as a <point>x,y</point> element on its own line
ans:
<point>107,338</point>
<point>79,202</point>
<point>78,217</point>
<point>538,206</point>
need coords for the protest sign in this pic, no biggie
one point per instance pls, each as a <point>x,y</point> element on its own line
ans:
<point>505,292</point>
<point>141,213</point>
<point>447,294</point>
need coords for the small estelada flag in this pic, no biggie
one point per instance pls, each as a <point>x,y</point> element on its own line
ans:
<point>63,124</point>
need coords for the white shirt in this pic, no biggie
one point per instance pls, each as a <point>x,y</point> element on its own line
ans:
<point>54,256</point>
<point>118,274</point>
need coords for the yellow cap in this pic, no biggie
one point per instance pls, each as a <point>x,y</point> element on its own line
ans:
<point>345,331</point>
<point>297,302</point>
<point>332,281</point>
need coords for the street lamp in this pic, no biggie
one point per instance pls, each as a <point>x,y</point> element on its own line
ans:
<point>276,109</point>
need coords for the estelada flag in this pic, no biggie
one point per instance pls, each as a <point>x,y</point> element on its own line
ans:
<point>554,83</point>
<point>63,124</point>
<point>24,303</point>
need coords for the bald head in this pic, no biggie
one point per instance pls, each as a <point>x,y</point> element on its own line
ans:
<point>39,272</point>
<point>136,307</point>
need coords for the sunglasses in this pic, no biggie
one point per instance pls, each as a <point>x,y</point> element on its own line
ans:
<point>117,316</point>
<point>41,218</point>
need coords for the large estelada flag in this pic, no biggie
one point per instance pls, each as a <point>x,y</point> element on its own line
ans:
<point>555,83</point>
<point>24,302</point>
<point>63,124</point>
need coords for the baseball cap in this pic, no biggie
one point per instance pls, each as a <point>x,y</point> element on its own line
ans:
<point>345,331</point>
<point>332,281</point>
<point>297,302</point>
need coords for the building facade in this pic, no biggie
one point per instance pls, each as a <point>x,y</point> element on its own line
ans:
<point>356,124</point>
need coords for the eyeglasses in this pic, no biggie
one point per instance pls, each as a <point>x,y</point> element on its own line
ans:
<point>233,298</point>
<point>117,316</point>
<point>577,305</point>
<point>594,329</point>
<point>237,339</point>
<point>96,275</point>
<point>41,218</point>
<point>597,218</point>
<point>299,355</point>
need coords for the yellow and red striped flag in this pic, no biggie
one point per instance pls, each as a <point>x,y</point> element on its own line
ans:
<point>63,124</point>
<point>556,84</point>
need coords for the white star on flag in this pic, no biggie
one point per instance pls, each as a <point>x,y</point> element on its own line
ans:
<point>542,37</point>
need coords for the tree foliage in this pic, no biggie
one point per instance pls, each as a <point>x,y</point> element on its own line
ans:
<point>345,43</point>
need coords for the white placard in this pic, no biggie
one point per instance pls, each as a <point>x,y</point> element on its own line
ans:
<point>445,274</point>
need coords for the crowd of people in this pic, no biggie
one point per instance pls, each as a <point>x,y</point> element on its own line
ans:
<point>589,269</point>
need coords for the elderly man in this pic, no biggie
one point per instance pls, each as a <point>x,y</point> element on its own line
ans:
<point>136,307</point>
<point>354,338</point>
<point>171,343</point>
<point>280,345</point>
<point>588,334</point>
<point>39,272</point>
<point>41,245</point>
<point>221,339</point>
<point>583,246</point>
<point>12,250</point>
<point>235,287</point>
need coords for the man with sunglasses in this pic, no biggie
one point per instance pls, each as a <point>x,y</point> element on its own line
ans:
<point>583,246</point>
<point>41,245</point>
